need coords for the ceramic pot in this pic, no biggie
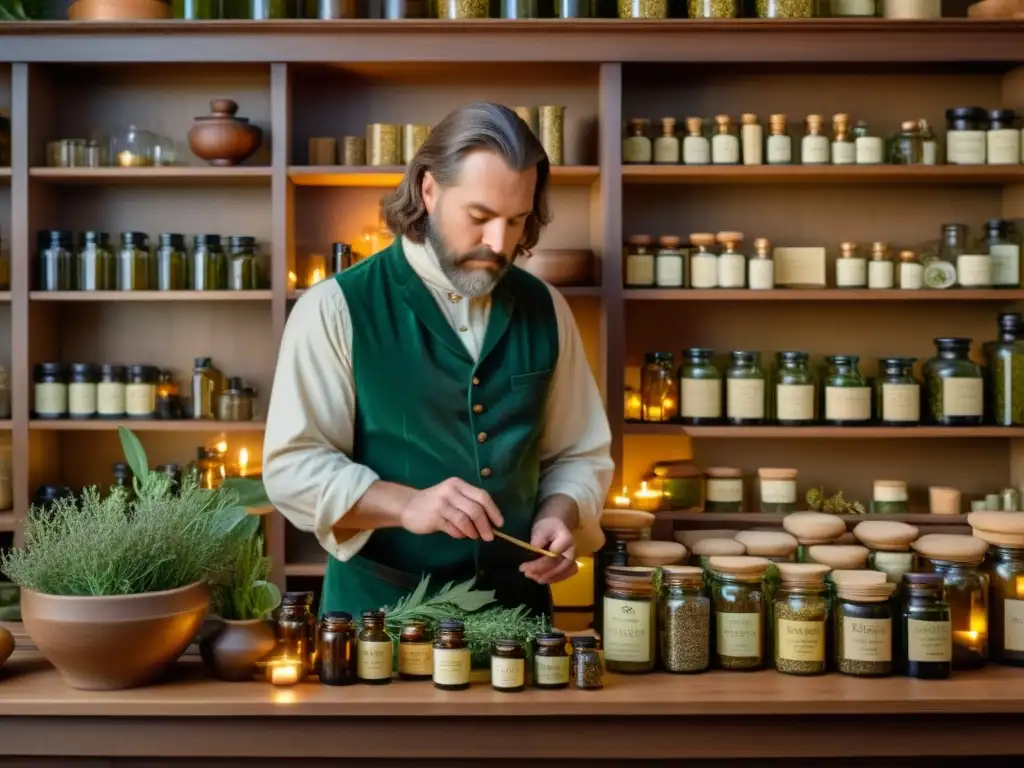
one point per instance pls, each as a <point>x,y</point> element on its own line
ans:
<point>121,641</point>
<point>232,650</point>
<point>222,139</point>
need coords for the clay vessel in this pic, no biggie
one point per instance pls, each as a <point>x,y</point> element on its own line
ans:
<point>121,641</point>
<point>222,139</point>
<point>233,649</point>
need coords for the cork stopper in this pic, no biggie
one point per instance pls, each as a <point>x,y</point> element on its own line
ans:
<point>730,238</point>
<point>811,574</point>
<point>909,125</point>
<point>814,527</point>
<point>723,472</point>
<point>907,256</point>
<point>722,120</point>
<point>839,555</point>
<point>841,119</point>
<point>762,248</point>
<point>997,522</point>
<point>776,473</point>
<point>669,241</point>
<point>879,252</point>
<point>705,239</point>
<point>656,553</point>
<point>814,124</point>
<point>777,125</point>
<point>740,566</point>
<point>865,593</point>
<point>847,250</point>
<point>951,547</point>
<point>768,543</point>
<point>640,240</point>
<point>886,535</point>
<point>668,126</point>
<point>712,547</point>
<point>639,124</point>
<point>694,125</point>
<point>749,118</point>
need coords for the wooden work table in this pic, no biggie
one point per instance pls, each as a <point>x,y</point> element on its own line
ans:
<point>761,714</point>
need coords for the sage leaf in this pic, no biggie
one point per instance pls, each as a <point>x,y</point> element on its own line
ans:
<point>134,453</point>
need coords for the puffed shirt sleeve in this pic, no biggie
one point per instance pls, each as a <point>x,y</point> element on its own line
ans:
<point>307,447</point>
<point>576,441</point>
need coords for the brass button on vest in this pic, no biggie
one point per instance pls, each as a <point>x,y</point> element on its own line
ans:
<point>476,382</point>
<point>485,472</point>
<point>482,437</point>
<point>478,408</point>
<point>455,298</point>
<point>463,329</point>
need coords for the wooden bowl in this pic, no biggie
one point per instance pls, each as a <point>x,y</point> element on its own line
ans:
<point>564,266</point>
<point>118,10</point>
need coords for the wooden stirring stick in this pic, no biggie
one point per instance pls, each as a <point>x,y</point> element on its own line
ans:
<point>524,545</point>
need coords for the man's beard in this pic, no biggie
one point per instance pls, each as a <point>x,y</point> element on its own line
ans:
<point>468,281</point>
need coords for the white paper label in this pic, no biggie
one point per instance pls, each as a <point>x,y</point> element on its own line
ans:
<point>966,147</point>
<point>753,137</point>
<point>668,270</point>
<point>700,398</point>
<point>881,275</point>
<point>732,270</point>
<point>778,491</point>
<point>140,399</point>
<point>974,270</point>
<point>627,630</point>
<point>744,398</point>
<point>1003,146</point>
<point>636,149</point>
<point>550,670</point>
<point>794,402</point>
<point>848,403</point>
<point>1013,625</point>
<point>901,402</point>
<point>738,634</point>
<point>51,399</point>
<point>762,274</point>
<point>962,396</point>
<point>704,271</point>
<point>640,269</point>
<point>696,150</point>
<point>725,149</point>
<point>780,150</point>
<point>869,150</point>
<point>929,150</point>
<point>82,399</point>
<point>666,150</point>
<point>725,489</point>
<point>110,398</point>
<point>507,673</point>
<point>843,153</point>
<point>851,273</point>
<point>867,639</point>
<point>911,276</point>
<point>929,641</point>
<point>815,150</point>
<point>1005,264</point>
<point>374,660</point>
<point>451,666</point>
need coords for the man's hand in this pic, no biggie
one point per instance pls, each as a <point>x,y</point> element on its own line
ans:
<point>454,507</point>
<point>552,534</point>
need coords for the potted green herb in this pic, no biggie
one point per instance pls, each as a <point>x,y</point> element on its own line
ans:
<point>113,589</point>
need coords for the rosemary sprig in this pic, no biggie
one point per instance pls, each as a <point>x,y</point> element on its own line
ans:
<point>834,505</point>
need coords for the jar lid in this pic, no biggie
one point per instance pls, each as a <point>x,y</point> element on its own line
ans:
<point>976,114</point>
<point>865,593</point>
<point>792,356</point>
<point>451,625</point>
<point>147,373</point>
<point>549,639</point>
<point>171,240</point>
<point>508,644</point>
<point>373,615</point>
<point>690,538</point>
<point>669,241</point>
<point>723,472</point>
<point>925,579</point>
<point>630,572</point>
<point>702,238</point>
<point>818,527</point>
<point>656,553</point>
<point>768,543</point>
<point>862,576</point>
<point>640,240</point>
<point>198,240</point>
<point>1001,540</point>
<point>730,237</point>
<point>134,238</point>
<point>752,567</point>
<point>584,641</point>
<point>50,369</point>
<point>908,256</point>
<point>626,519</point>
<point>203,362</point>
<point>776,473</point>
<point>679,574</point>
<point>339,616</point>
<point>674,470</point>
<point>718,547</point>
<point>112,371</point>
<point>885,535</point>
<point>802,573</point>
<point>83,369</point>
<point>242,241</point>
<point>951,547</point>
<point>749,118</point>
<point>900,484</point>
<point>95,236</point>
<point>838,556</point>
<point>952,342</point>
<point>297,598</point>
<point>997,522</point>
<point>122,468</point>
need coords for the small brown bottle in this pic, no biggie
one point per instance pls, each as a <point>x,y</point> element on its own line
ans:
<point>451,657</point>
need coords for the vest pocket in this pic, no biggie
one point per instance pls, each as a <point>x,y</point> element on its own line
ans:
<point>525,380</point>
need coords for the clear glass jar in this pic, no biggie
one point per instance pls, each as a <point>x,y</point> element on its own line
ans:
<point>637,148</point>
<point>640,272</point>
<point>110,392</point>
<point>82,391</point>
<point>140,392</point>
<point>745,389</point>
<point>897,393</point>
<point>54,261</point>
<point>550,661</point>
<point>723,489</point>
<point>1006,606</point>
<point>463,9</point>
<point>452,662</point>
<point>847,397</point>
<point>703,261</point>
<point>732,265</point>
<point>700,388</point>
<point>96,267</point>
<point>658,392</point>
<point>208,265</point>
<point>953,383</point>
<point>862,635</point>
<point>852,8</point>
<point>1003,243</point>
<point>375,661</point>
<point>676,485</point>
<point>929,145</point>
<point>785,9</point>
<point>940,268</point>
<point>794,396</point>
<point>669,263</point>
<point>851,267</point>
<point>800,613</point>
<point>713,9</point>
<point>725,144</point>
<point>684,620</point>
<point>926,647</point>
<point>777,489</point>
<point>171,263</point>
<point>666,146</point>
<point>966,135</point>
<point>135,267</point>
<point>243,264</point>
<point>588,668</point>
<point>50,393</point>
<point>415,652</point>
<point>508,666</point>
<point>870,149</point>
<point>696,147</point>
<point>643,9</point>
<point>630,619</point>
<point>881,270</point>
<point>911,272</point>
<point>1004,376</point>
<point>739,605</point>
<point>761,267</point>
<point>907,146</point>
<point>966,590</point>
<point>889,497</point>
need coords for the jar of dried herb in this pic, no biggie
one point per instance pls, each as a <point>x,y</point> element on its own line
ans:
<point>630,619</point>
<point>847,394</point>
<point>953,385</point>
<point>1006,610</point>
<point>508,666</point>
<point>171,263</point>
<point>897,393</point>
<point>135,265</point>
<point>462,9</point>
<point>863,628</point>
<point>700,388</point>
<point>777,489</point>
<point>785,9</point>
<point>643,9</point>
<point>684,620</point>
<point>794,395</point>
<point>713,9</point>
<point>96,268</point>
<point>800,612</point>
<point>415,652</point>
<point>1005,374</point>
<point>658,393</point>
<point>550,661</point>
<point>723,489</point>
<point>739,603</point>
<point>745,389</point>
<point>925,631</point>
<point>587,667</point>
<point>889,497</point>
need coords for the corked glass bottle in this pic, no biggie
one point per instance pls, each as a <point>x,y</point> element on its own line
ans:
<point>954,385</point>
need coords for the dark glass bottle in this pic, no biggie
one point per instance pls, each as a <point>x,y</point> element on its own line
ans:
<point>375,650</point>
<point>171,263</point>
<point>336,649</point>
<point>451,657</point>
<point>550,661</point>
<point>897,393</point>
<point>926,640</point>
<point>954,387</point>
<point>1004,375</point>
<point>123,478</point>
<point>1003,242</point>
<point>341,257</point>
<point>508,666</point>
<point>96,268</point>
<point>700,388</point>
<point>415,652</point>
<point>847,397</point>
<point>1006,604</point>
<point>295,625</point>
<point>793,392</point>
<point>587,666</point>
<point>173,472</point>
<point>54,262</point>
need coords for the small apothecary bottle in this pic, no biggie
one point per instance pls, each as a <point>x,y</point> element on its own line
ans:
<point>207,264</point>
<point>793,391</point>
<point>780,144</point>
<point>243,264</point>
<point>415,652</point>
<point>135,265</point>
<point>800,610</point>
<point>881,270</point>
<point>1003,242</point>
<point>550,661</point>
<point>296,628</point>
<point>54,261</point>
<point>630,619</point>
<point>777,489</point>
<point>761,267</point>
<point>929,145</point>
<point>1006,609</point>
<point>713,9</point>
<point>745,389</point>
<point>851,267</point>
<point>669,263</point>
<point>1002,138</point>
<point>375,650</point>
<point>732,265</point>
<point>723,489</point>
<point>82,391</point>
<point>50,393</point>
<point>907,146</point>
<point>725,146</point>
<point>870,150</point>
<point>974,270</point>
<point>889,497</point>
<point>637,148</point>
<point>588,668</point>
<point>684,620</point>
<point>862,634</point>
<point>703,262</point>
<point>740,611</point>
<point>96,268</point>
<point>966,136</point>
<point>140,392</point>
<point>926,639</point>
<point>658,389</point>
<point>953,383</point>
<point>508,666</point>
<point>696,147</point>
<point>911,275</point>
<point>700,388</point>
<point>171,263</point>
<point>451,656</point>
<point>110,392</point>
<point>666,146</point>
<point>640,261</point>
<point>814,149</point>
<point>847,395</point>
<point>898,395</point>
<point>336,649</point>
<point>752,139</point>
<point>844,151</point>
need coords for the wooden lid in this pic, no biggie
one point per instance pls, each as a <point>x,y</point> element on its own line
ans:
<point>997,522</point>
<point>776,473</point>
<point>710,547</point>
<point>617,519</point>
<point>730,237</point>
<point>858,577</point>
<point>683,570</point>
<point>865,593</point>
<point>702,238</point>
<point>814,527</point>
<point>767,543</point>
<point>723,472</point>
<point>655,553</point>
<point>846,539</point>
<point>951,547</point>
<point>802,573</point>
<point>753,567</point>
<point>689,538</point>
<point>839,556</point>
<point>1008,540</point>
<point>885,535</point>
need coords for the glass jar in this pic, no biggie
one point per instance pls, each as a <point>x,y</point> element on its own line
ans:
<point>1003,242</point>
<point>243,264</point>
<point>911,274</point>
<point>674,485</point>
<point>739,605</point>
<point>295,620</point>
<point>862,631</point>
<point>800,612</point>
<point>907,146</point>
<point>643,9</point>
<point>110,392</point>
<point>375,650</point>
<point>700,388</point>
<point>1004,376</point>
<point>785,9</point>
<point>586,662</point>
<point>966,590</point>
<point>462,9</point>
<point>666,146</point>
<point>637,148</point>
<point>926,635</point>
<point>140,392</point>
<point>897,393</point>
<point>171,263</point>
<point>54,262</point>
<point>658,392</point>
<point>889,497</point>
<point>732,265</point>
<point>723,489</point>
<point>209,466</point>
<point>881,270</point>
<point>703,262</point>
<point>96,267</point>
<point>894,564</point>
<point>640,271</point>
<point>1006,606</point>
<point>550,661</point>
<point>745,389</point>
<point>966,135</point>
<point>852,8</point>
<point>50,393</point>
<point>725,144</point>
<point>630,619</point>
<point>415,652</point>
<point>779,147</point>
<point>953,384</point>
<point>793,392</point>
<point>613,552</point>
<point>82,391</point>
<point>173,473</point>
<point>207,265</point>
<point>1002,138</point>
<point>777,489</point>
<point>134,263</point>
<point>940,269</point>
<point>814,147</point>
<point>713,9</point>
<point>847,396</point>
<point>761,267</point>
<point>508,666</point>
<point>696,147</point>
<point>684,620</point>
<point>669,263</point>
<point>851,267</point>
<point>336,649</point>
<point>929,145</point>
<point>451,656</point>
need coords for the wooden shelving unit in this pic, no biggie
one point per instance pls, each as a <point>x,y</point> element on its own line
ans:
<point>824,432</point>
<point>377,176</point>
<point>161,296</point>
<point>69,425</point>
<point>174,175</point>
<point>831,295</point>
<point>818,175</point>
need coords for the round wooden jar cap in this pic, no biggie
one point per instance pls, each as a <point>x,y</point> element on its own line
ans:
<point>776,473</point>
<point>814,527</point>
<point>951,547</point>
<point>711,547</point>
<point>767,543</point>
<point>740,566</point>
<point>857,577</point>
<point>997,522</point>
<point>626,519</point>
<point>1008,540</point>
<point>885,535</point>
<point>689,538</point>
<point>683,570</point>
<point>655,553</point>
<point>865,593</point>
<point>723,472</point>
<point>803,573</point>
<point>839,556</point>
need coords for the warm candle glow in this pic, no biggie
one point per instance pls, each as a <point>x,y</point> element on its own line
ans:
<point>634,405</point>
<point>647,500</point>
<point>653,413</point>
<point>128,159</point>
<point>284,673</point>
<point>315,276</point>
<point>243,461</point>
<point>293,280</point>
<point>622,500</point>
<point>221,447</point>
<point>1020,587</point>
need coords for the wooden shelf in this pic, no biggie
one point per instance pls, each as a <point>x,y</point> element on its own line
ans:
<point>754,518</point>
<point>8,521</point>
<point>5,175</point>
<point>5,297</point>
<point>968,175</point>
<point>390,176</point>
<point>182,425</point>
<point>820,432</point>
<point>309,570</point>
<point>570,291</point>
<point>169,175</point>
<point>6,424</point>
<point>825,294</point>
<point>121,296</point>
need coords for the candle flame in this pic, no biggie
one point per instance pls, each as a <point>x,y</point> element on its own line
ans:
<point>293,279</point>
<point>243,460</point>
<point>221,447</point>
<point>316,276</point>
<point>622,500</point>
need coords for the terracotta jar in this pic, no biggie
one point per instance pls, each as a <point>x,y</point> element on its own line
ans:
<point>223,139</point>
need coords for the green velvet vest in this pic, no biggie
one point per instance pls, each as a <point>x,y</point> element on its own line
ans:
<point>426,411</point>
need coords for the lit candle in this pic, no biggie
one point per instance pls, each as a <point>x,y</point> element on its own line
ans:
<point>975,637</point>
<point>647,500</point>
<point>284,673</point>
<point>316,266</point>
<point>634,405</point>
<point>221,447</point>
<point>1020,587</point>
<point>243,461</point>
<point>128,159</point>
<point>293,280</point>
<point>653,413</point>
<point>622,500</point>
